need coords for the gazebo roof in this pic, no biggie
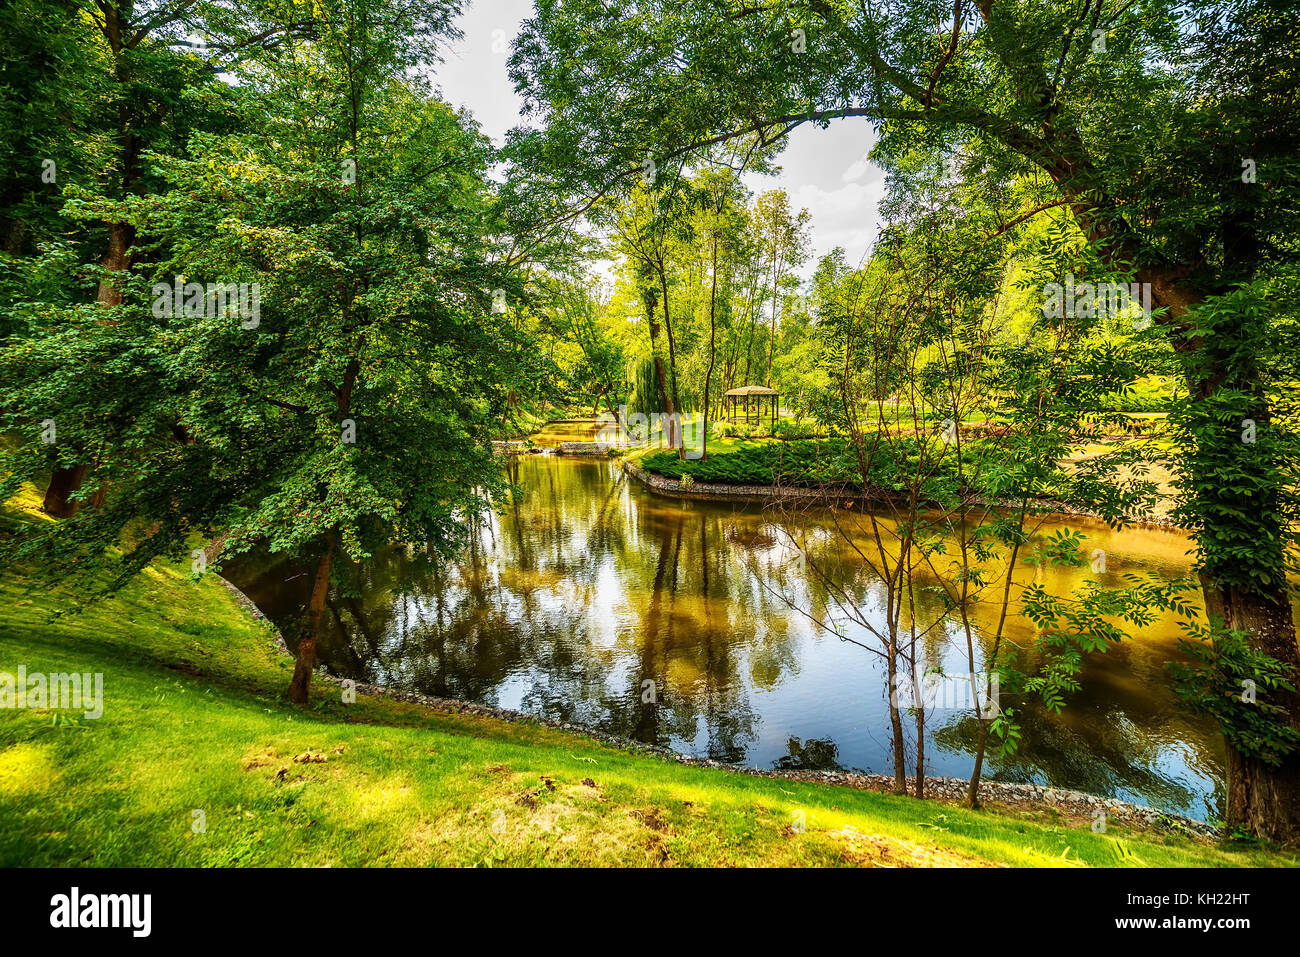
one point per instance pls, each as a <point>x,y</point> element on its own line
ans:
<point>752,390</point>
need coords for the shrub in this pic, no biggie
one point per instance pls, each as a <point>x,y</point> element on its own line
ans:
<point>792,463</point>
<point>796,430</point>
<point>742,430</point>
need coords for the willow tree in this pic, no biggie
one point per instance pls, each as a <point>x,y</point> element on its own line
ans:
<point>1166,132</point>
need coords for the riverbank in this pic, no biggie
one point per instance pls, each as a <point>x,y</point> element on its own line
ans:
<point>199,760</point>
<point>838,498</point>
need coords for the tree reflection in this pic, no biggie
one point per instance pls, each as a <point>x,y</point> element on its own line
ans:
<point>586,587</point>
<point>815,754</point>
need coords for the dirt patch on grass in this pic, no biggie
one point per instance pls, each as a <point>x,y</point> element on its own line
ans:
<point>878,850</point>
<point>259,758</point>
<point>652,818</point>
<point>565,824</point>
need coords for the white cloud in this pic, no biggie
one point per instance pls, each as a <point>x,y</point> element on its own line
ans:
<point>857,170</point>
<point>823,170</point>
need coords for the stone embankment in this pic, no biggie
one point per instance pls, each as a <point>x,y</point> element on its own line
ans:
<point>601,450</point>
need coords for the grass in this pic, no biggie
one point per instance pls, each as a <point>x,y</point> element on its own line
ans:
<point>195,720</point>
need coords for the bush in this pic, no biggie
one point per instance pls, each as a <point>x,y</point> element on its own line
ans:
<point>796,430</point>
<point>741,430</point>
<point>810,463</point>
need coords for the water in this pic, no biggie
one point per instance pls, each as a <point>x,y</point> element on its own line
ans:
<point>590,585</point>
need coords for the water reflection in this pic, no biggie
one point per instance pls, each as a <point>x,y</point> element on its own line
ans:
<point>592,600</point>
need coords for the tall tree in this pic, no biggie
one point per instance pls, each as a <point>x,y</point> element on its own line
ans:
<point>784,236</point>
<point>148,60</point>
<point>343,405</point>
<point>721,199</point>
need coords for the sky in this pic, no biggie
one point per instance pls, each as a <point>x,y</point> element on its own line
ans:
<point>823,171</point>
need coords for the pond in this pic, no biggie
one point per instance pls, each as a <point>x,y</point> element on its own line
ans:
<point>590,585</point>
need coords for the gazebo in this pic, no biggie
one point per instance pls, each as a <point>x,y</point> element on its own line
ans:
<point>751,398</point>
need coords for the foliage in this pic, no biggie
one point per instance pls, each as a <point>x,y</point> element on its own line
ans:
<point>806,463</point>
<point>1229,681</point>
<point>349,405</point>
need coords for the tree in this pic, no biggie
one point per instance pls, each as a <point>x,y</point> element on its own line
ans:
<point>721,199</point>
<point>644,234</point>
<point>135,63</point>
<point>344,404</point>
<point>785,240</point>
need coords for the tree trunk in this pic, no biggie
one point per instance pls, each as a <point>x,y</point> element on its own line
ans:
<point>896,723</point>
<point>305,660</point>
<point>12,229</point>
<point>63,483</point>
<point>661,378</point>
<point>672,345</point>
<point>120,238</point>
<point>920,747</point>
<point>674,400</point>
<point>1262,799</point>
<point>713,353</point>
<point>973,790</point>
<point>670,408</point>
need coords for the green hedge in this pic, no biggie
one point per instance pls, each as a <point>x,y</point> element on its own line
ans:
<point>790,463</point>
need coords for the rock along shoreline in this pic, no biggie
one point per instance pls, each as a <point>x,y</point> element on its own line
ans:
<point>1075,805</point>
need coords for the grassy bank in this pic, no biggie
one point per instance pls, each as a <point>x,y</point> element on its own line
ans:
<point>195,720</point>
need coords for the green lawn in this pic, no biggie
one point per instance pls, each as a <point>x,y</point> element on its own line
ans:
<point>195,719</point>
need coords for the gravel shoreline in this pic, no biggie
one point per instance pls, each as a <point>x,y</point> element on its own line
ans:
<point>1074,805</point>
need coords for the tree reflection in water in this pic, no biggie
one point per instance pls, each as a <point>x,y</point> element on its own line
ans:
<point>588,586</point>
